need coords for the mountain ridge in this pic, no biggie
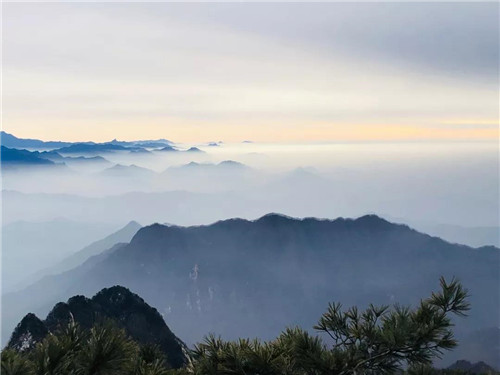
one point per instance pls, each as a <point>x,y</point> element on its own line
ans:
<point>210,278</point>
<point>128,310</point>
<point>10,140</point>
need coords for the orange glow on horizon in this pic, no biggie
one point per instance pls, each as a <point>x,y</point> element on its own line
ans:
<point>177,131</point>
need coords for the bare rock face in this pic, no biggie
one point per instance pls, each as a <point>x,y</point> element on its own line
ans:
<point>28,333</point>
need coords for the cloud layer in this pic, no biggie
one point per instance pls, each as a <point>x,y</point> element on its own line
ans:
<point>270,72</point>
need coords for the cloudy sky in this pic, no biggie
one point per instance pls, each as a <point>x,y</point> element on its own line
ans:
<point>267,72</point>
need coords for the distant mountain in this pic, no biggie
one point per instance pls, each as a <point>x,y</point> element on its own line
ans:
<point>85,159</point>
<point>127,171</point>
<point>152,144</point>
<point>473,368</point>
<point>299,182</point>
<point>224,176</point>
<point>11,141</point>
<point>28,247</point>
<point>241,278</point>
<point>71,160</point>
<point>129,311</point>
<point>173,149</point>
<point>168,148</point>
<point>50,155</point>
<point>14,158</point>
<point>232,164</point>
<point>480,345</point>
<point>86,148</point>
<point>11,157</point>
<point>124,235</point>
<point>140,151</point>
<point>174,206</point>
<point>156,143</point>
<point>194,149</point>
<point>223,165</point>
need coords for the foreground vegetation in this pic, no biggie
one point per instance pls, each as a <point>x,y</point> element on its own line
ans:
<point>378,340</point>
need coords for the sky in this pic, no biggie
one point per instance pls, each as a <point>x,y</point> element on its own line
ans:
<point>269,72</point>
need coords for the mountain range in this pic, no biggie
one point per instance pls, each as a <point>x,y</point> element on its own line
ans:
<point>17,158</point>
<point>11,141</point>
<point>241,278</point>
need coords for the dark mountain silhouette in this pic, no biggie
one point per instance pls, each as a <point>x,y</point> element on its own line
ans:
<point>152,144</point>
<point>85,159</point>
<point>173,149</point>
<point>209,205</point>
<point>242,278</point>
<point>69,160</point>
<point>168,148</point>
<point>30,331</point>
<point>93,148</point>
<point>142,322</point>
<point>50,155</point>
<point>481,345</point>
<point>194,149</point>
<point>14,157</point>
<point>140,151</point>
<point>156,143</point>
<point>11,141</point>
<point>473,368</point>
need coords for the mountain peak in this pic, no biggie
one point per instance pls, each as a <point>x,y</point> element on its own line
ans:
<point>232,164</point>
<point>274,217</point>
<point>372,221</point>
<point>472,368</point>
<point>142,322</point>
<point>118,297</point>
<point>194,149</point>
<point>133,224</point>
<point>30,331</point>
<point>167,148</point>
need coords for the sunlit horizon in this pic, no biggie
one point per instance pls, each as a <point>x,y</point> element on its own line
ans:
<point>260,72</point>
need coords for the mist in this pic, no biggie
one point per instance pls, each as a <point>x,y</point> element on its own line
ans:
<point>453,183</point>
<point>443,188</point>
<point>239,166</point>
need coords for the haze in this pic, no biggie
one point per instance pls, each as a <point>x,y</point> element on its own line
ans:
<point>117,116</point>
<point>267,72</point>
